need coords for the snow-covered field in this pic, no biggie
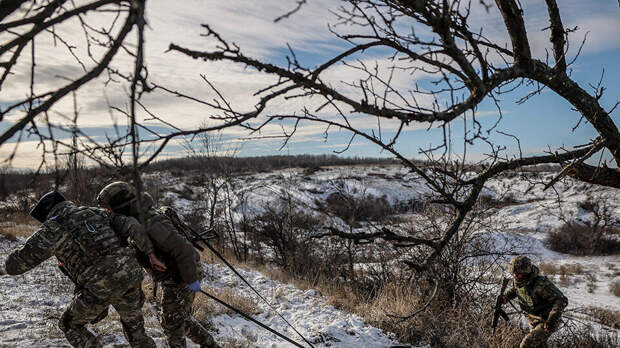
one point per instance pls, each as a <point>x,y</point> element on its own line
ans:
<point>520,226</point>
<point>32,303</point>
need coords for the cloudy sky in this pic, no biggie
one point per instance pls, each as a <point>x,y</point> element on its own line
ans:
<point>544,121</point>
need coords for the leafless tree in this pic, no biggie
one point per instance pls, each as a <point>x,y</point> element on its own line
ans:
<point>434,38</point>
<point>105,39</point>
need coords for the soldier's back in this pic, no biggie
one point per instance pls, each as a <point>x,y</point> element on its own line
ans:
<point>91,251</point>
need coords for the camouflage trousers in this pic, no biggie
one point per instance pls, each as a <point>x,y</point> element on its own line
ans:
<point>537,337</point>
<point>89,303</point>
<point>177,318</point>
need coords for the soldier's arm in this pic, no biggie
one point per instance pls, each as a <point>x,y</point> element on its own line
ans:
<point>511,293</point>
<point>165,236</point>
<point>549,293</point>
<point>38,248</point>
<point>130,227</point>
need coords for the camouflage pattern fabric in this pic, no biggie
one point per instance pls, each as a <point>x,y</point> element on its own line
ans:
<point>542,302</point>
<point>104,271</point>
<point>183,267</point>
<point>178,320</point>
<point>126,298</point>
<point>537,337</point>
<point>129,229</point>
<point>179,255</point>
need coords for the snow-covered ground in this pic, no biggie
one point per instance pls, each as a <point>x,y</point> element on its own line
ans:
<point>320,323</point>
<point>520,226</point>
<point>32,303</point>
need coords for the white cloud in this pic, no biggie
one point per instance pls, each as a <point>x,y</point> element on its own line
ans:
<point>249,23</point>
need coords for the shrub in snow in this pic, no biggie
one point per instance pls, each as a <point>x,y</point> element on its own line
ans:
<point>352,209</point>
<point>582,239</point>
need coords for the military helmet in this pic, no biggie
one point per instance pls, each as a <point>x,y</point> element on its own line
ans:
<point>521,265</point>
<point>45,205</point>
<point>116,195</point>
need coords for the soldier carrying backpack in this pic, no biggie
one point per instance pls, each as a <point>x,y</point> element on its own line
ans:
<point>180,279</point>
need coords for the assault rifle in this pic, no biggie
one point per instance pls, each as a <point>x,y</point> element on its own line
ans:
<point>499,312</point>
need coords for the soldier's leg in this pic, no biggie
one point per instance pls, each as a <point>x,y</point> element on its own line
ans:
<point>129,307</point>
<point>173,313</point>
<point>537,337</point>
<point>178,320</point>
<point>193,329</point>
<point>83,309</point>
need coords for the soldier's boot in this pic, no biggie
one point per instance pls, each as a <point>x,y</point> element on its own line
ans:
<point>199,334</point>
<point>136,335</point>
<point>76,333</point>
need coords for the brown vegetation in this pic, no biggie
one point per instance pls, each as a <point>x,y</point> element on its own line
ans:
<point>205,308</point>
<point>604,316</point>
<point>16,224</point>
<point>582,239</point>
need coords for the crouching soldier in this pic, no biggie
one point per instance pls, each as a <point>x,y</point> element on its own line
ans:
<point>540,300</point>
<point>181,278</point>
<point>104,271</point>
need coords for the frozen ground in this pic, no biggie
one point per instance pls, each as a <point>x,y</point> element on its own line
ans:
<point>32,303</point>
<point>307,311</point>
<point>520,225</point>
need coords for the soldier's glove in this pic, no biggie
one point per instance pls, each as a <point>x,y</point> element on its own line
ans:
<point>194,287</point>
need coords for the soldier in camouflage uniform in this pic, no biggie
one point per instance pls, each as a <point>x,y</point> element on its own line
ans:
<point>181,280</point>
<point>103,269</point>
<point>540,300</point>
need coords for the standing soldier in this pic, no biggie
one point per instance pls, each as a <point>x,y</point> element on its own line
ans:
<point>540,300</point>
<point>103,269</point>
<point>181,280</point>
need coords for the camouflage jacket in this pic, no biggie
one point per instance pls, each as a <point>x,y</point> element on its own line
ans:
<point>82,239</point>
<point>539,297</point>
<point>181,259</point>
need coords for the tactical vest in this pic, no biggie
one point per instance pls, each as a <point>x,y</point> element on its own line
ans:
<point>527,302</point>
<point>90,237</point>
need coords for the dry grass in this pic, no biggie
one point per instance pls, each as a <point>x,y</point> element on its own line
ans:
<point>604,316</point>
<point>591,279</point>
<point>16,225</point>
<point>440,325</point>
<point>548,268</point>
<point>204,307</point>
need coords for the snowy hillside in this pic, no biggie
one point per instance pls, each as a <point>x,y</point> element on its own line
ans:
<point>33,302</point>
<point>522,224</point>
